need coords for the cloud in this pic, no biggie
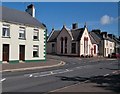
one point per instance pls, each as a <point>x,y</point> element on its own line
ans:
<point>106,20</point>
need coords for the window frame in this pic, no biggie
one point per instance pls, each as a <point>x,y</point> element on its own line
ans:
<point>7,35</point>
<point>36,30</point>
<point>34,46</point>
<point>75,50</point>
<point>22,29</point>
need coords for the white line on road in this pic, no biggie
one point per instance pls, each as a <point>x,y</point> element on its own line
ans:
<point>3,79</point>
<point>106,74</point>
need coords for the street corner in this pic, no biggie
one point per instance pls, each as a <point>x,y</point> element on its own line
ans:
<point>32,66</point>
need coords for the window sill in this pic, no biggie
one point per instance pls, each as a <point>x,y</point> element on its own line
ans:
<point>35,56</point>
<point>22,38</point>
<point>35,39</point>
<point>6,37</point>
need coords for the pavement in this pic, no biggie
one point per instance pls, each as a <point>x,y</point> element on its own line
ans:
<point>95,84</point>
<point>31,65</point>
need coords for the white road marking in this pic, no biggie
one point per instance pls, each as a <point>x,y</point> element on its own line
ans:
<point>3,79</point>
<point>30,75</point>
<point>106,74</point>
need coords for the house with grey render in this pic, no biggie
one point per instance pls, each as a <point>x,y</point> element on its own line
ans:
<point>72,42</point>
<point>22,36</point>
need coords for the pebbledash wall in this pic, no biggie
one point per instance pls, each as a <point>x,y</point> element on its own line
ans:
<point>14,43</point>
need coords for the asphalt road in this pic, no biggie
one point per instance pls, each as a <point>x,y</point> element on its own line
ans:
<point>46,80</point>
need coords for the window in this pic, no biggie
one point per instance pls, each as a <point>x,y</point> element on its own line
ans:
<point>35,51</point>
<point>107,50</point>
<point>22,33</point>
<point>36,34</point>
<point>65,45</point>
<point>73,48</point>
<point>106,42</point>
<point>61,45</point>
<point>94,49</point>
<point>110,51</point>
<point>6,31</point>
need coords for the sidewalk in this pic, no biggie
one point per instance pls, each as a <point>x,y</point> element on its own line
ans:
<point>31,65</point>
<point>84,87</point>
<point>109,83</point>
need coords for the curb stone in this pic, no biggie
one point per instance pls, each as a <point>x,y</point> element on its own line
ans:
<point>32,68</point>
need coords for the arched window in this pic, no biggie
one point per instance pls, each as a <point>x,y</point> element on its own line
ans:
<point>61,45</point>
<point>65,44</point>
<point>86,45</point>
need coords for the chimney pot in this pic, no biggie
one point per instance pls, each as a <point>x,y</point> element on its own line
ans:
<point>31,10</point>
<point>74,25</point>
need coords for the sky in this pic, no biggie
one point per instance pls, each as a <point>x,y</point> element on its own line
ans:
<point>97,15</point>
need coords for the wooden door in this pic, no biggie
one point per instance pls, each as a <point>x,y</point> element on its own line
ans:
<point>6,52</point>
<point>22,52</point>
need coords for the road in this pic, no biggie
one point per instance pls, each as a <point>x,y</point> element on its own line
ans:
<point>46,80</point>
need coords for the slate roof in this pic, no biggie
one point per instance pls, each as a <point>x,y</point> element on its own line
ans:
<point>53,38</point>
<point>95,37</point>
<point>92,39</point>
<point>98,37</point>
<point>75,33</point>
<point>16,16</point>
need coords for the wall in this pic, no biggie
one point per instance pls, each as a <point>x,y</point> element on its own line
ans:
<point>110,46</point>
<point>0,43</point>
<point>64,34</point>
<point>49,47</point>
<point>85,34</point>
<point>14,42</point>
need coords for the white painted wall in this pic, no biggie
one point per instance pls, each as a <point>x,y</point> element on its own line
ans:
<point>0,42</point>
<point>110,46</point>
<point>14,42</point>
<point>85,34</point>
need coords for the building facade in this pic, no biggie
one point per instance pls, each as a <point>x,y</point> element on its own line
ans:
<point>22,36</point>
<point>75,42</point>
<point>106,45</point>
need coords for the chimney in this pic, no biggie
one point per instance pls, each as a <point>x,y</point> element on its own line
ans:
<point>31,10</point>
<point>97,31</point>
<point>74,25</point>
<point>111,35</point>
<point>104,34</point>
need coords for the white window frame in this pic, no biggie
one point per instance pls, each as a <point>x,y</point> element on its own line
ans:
<point>36,49</point>
<point>22,32</point>
<point>7,32</point>
<point>36,31</point>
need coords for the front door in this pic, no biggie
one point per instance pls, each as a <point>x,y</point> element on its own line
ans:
<point>6,52</point>
<point>22,52</point>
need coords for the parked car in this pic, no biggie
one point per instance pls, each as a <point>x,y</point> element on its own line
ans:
<point>118,55</point>
<point>113,55</point>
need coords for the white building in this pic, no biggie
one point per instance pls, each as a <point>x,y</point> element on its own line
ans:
<point>22,36</point>
<point>106,45</point>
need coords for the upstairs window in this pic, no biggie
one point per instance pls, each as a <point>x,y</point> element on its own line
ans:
<point>36,34</point>
<point>22,33</point>
<point>35,51</point>
<point>6,31</point>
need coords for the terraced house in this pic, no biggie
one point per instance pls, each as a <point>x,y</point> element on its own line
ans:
<point>22,36</point>
<point>106,44</point>
<point>75,42</point>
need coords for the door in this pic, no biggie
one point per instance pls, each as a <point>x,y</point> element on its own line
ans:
<point>53,48</point>
<point>22,52</point>
<point>6,52</point>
